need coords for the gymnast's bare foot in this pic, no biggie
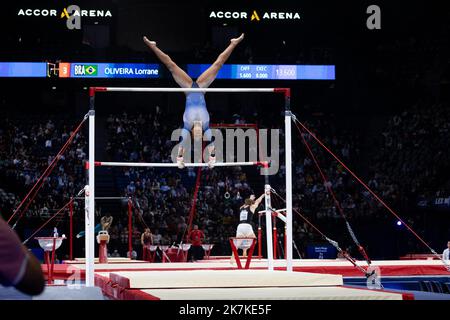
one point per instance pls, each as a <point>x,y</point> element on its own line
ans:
<point>212,157</point>
<point>180,162</point>
<point>237,40</point>
<point>149,43</point>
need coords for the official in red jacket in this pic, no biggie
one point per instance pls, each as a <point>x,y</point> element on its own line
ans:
<point>196,238</point>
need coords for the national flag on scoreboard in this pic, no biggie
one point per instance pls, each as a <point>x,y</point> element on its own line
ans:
<point>91,70</point>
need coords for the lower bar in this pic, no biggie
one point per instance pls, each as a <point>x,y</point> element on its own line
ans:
<point>174,165</point>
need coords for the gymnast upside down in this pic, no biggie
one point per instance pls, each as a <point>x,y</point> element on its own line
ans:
<point>196,116</point>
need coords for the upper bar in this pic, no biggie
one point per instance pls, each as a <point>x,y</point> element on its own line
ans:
<point>92,90</point>
<point>174,165</point>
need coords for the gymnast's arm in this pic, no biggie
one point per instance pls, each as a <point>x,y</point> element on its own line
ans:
<point>257,202</point>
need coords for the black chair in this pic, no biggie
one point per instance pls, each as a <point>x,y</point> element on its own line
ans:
<point>446,287</point>
<point>422,286</point>
<point>426,286</point>
<point>437,287</point>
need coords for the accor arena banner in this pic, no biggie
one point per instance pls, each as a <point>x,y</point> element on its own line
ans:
<point>254,15</point>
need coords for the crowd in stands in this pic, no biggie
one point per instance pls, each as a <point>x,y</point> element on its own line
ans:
<point>407,165</point>
<point>412,156</point>
<point>27,146</point>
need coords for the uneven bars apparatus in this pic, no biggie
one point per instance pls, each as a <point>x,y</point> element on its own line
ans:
<point>90,187</point>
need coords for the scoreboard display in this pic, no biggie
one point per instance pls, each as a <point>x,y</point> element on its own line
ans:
<point>108,70</point>
<point>268,72</point>
<point>23,69</point>
<point>141,70</point>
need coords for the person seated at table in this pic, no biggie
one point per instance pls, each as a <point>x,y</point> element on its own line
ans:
<point>115,254</point>
<point>18,267</point>
<point>133,255</point>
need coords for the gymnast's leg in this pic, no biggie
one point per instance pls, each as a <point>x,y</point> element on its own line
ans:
<point>184,81</point>
<point>207,77</point>
<point>211,146</point>
<point>185,137</point>
<point>178,74</point>
<point>204,81</point>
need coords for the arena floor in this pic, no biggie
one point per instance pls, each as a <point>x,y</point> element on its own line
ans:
<point>122,279</point>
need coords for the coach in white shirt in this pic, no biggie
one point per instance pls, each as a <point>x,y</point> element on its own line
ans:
<point>445,254</point>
